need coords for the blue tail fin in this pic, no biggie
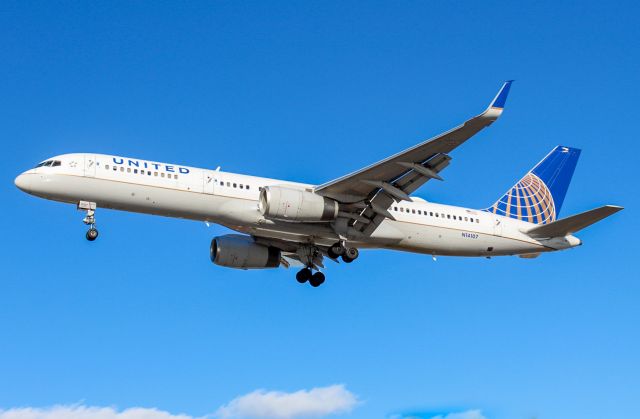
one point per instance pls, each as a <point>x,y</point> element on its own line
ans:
<point>538,196</point>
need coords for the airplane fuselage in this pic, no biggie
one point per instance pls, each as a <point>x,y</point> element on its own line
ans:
<point>231,200</point>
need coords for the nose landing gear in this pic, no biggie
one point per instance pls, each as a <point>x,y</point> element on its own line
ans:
<point>89,219</point>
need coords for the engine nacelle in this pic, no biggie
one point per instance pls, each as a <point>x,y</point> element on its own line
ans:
<point>242,252</point>
<point>288,204</point>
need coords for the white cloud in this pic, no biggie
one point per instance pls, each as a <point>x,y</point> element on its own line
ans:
<point>86,412</point>
<point>469,414</point>
<point>317,402</point>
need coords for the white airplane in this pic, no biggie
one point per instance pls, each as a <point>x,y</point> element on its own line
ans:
<point>287,222</point>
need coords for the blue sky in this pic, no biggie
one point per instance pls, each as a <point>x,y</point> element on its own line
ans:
<point>309,91</point>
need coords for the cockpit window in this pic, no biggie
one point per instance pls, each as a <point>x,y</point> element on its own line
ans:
<point>49,163</point>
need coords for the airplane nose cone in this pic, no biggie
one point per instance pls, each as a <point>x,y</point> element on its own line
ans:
<point>23,182</point>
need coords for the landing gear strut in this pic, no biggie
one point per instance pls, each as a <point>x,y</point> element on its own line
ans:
<point>315,280</point>
<point>89,219</point>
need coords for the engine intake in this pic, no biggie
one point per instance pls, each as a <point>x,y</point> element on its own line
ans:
<point>242,252</point>
<point>288,204</point>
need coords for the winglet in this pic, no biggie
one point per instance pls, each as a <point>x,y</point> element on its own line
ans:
<point>494,110</point>
<point>501,98</point>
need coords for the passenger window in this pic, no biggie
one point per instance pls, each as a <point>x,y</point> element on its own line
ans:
<point>437,215</point>
<point>247,186</point>
<point>175,177</point>
<point>449,216</point>
<point>155,173</point>
<point>135,171</point>
<point>442,215</point>
<point>234,185</point>
<point>106,166</point>
<point>477,220</point>
<point>431,214</point>
<point>162,174</point>
<point>228,184</point>
<point>419,212</point>
<point>121,169</point>
<point>466,218</point>
<point>128,170</point>
<point>241,186</point>
<point>148,172</point>
<point>413,211</point>
<point>115,168</point>
<point>401,209</point>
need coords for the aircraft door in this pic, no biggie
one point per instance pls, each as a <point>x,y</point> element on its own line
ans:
<point>209,181</point>
<point>497,226</point>
<point>89,165</point>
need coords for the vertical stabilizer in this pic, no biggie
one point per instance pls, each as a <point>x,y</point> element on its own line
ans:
<point>538,196</point>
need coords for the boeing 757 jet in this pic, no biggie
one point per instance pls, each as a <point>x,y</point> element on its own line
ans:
<point>282,222</point>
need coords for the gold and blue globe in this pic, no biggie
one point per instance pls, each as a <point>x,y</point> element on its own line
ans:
<point>529,200</point>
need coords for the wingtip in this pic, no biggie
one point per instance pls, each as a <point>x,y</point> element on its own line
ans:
<point>501,98</point>
<point>615,208</point>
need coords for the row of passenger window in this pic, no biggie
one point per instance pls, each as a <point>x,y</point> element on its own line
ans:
<point>232,185</point>
<point>142,172</point>
<point>437,215</point>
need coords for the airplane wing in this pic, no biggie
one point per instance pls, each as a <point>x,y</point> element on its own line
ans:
<point>367,193</point>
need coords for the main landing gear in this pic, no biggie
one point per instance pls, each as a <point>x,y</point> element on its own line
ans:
<point>315,280</point>
<point>89,219</point>
<point>339,250</point>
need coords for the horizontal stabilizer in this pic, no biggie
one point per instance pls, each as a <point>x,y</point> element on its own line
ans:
<point>573,224</point>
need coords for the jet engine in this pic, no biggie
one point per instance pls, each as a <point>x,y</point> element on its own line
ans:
<point>242,252</point>
<point>289,204</point>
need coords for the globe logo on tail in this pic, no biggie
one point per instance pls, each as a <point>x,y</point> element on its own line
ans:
<point>529,200</point>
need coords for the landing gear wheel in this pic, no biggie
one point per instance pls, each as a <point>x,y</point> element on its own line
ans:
<point>350,254</point>
<point>90,219</point>
<point>336,251</point>
<point>317,279</point>
<point>303,275</point>
<point>92,234</point>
